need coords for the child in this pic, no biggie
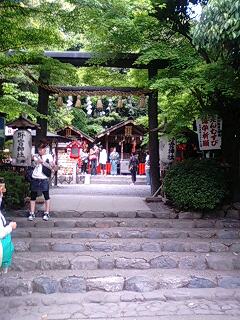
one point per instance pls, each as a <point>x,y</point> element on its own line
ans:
<point>6,245</point>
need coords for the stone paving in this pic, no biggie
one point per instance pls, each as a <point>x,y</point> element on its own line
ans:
<point>143,262</point>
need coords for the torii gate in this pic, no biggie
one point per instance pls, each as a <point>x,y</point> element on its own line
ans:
<point>81,59</point>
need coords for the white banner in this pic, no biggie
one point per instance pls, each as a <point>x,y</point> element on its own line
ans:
<point>209,133</point>
<point>167,149</point>
<point>22,147</point>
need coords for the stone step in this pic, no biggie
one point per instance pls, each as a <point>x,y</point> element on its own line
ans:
<point>126,233</point>
<point>167,214</point>
<point>81,260</point>
<point>163,212</point>
<point>89,222</point>
<point>197,304</point>
<point>83,281</point>
<point>111,245</point>
<point>117,181</point>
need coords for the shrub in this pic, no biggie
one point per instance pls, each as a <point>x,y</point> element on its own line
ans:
<point>17,189</point>
<point>195,184</point>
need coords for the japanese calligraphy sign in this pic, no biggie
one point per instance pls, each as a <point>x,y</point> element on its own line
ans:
<point>209,133</point>
<point>167,149</point>
<point>22,146</point>
<point>128,131</point>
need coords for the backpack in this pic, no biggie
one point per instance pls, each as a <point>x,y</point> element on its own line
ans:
<point>28,173</point>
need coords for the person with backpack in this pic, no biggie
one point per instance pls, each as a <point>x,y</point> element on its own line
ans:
<point>39,184</point>
<point>133,167</point>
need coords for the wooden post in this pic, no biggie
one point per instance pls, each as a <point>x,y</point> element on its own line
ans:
<point>153,135</point>
<point>56,162</point>
<point>42,108</point>
<point>121,150</point>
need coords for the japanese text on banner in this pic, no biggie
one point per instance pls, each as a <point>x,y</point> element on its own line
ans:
<point>209,133</point>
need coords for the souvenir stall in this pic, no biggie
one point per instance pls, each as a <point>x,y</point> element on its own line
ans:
<point>127,138</point>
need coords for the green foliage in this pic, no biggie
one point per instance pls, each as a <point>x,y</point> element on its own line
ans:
<point>99,124</point>
<point>26,29</point>
<point>93,129</point>
<point>195,184</point>
<point>79,119</point>
<point>100,76</point>
<point>219,28</point>
<point>17,189</point>
<point>58,118</point>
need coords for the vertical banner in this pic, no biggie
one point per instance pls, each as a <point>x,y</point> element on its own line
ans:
<point>167,149</point>
<point>2,131</point>
<point>22,147</point>
<point>209,133</point>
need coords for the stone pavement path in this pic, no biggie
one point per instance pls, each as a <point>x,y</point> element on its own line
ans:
<point>121,262</point>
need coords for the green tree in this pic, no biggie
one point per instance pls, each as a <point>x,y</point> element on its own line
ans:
<point>26,29</point>
<point>218,30</point>
<point>199,80</point>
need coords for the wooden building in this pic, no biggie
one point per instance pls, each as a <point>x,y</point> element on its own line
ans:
<point>127,137</point>
<point>75,134</point>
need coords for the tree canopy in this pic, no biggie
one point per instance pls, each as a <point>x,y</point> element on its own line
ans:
<point>203,51</point>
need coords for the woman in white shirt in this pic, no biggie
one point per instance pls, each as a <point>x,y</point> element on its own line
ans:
<point>103,161</point>
<point>40,182</point>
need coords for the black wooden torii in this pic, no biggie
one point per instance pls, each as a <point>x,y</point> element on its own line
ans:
<point>82,59</point>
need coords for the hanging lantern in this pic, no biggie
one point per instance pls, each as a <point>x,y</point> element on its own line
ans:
<point>59,101</point>
<point>142,101</point>
<point>99,104</point>
<point>120,103</point>
<point>78,103</point>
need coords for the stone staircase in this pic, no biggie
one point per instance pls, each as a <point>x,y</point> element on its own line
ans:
<point>123,265</point>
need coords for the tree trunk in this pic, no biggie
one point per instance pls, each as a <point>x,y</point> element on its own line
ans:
<point>231,147</point>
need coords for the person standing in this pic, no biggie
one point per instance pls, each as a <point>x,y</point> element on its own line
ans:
<point>133,166</point>
<point>114,160</point>
<point>147,168</point>
<point>40,181</point>
<point>103,161</point>
<point>93,157</point>
<point>6,245</point>
<point>84,160</point>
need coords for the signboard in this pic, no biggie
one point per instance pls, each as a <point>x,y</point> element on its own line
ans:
<point>209,133</point>
<point>22,147</point>
<point>74,148</point>
<point>128,131</point>
<point>167,149</point>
